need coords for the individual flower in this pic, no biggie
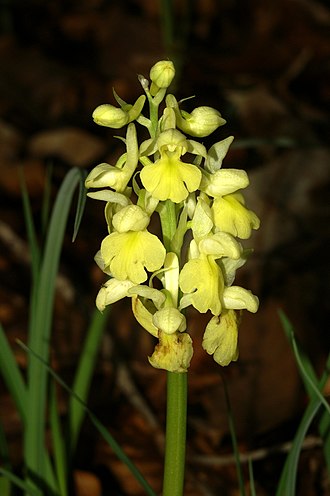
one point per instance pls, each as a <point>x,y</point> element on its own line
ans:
<point>169,178</point>
<point>237,298</point>
<point>161,75</point>
<point>131,249</point>
<point>201,281</point>
<point>223,182</point>
<point>112,291</point>
<point>109,116</point>
<point>220,337</point>
<point>117,176</point>
<point>173,352</point>
<point>231,216</point>
<point>201,122</point>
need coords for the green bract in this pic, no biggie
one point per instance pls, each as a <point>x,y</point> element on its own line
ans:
<point>191,256</point>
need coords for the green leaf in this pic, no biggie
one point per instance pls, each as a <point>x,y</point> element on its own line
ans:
<point>5,486</point>
<point>83,376</point>
<point>81,204</point>
<point>31,233</point>
<point>99,426</point>
<point>233,436</point>
<point>12,375</point>
<point>287,484</point>
<point>39,334</point>
<point>19,483</point>
<point>59,451</point>
<point>251,477</point>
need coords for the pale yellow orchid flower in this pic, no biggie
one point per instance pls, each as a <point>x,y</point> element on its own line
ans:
<point>220,337</point>
<point>231,216</point>
<point>169,178</point>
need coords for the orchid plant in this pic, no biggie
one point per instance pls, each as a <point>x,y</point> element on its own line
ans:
<point>203,218</point>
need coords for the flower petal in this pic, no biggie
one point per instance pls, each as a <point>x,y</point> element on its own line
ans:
<point>112,291</point>
<point>170,179</point>
<point>220,338</point>
<point>128,254</point>
<point>217,153</point>
<point>143,316</point>
<point>224,182</point>
<point>202,279</point>
<point>231,216</point>
<point>169,320</point>
<point>238,298</point>
<point>173,352</point>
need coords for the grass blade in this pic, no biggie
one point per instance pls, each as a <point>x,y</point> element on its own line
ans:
<point>5,486</point>
<point>83,377</point>
<point>311,383</point>
<point>287,483</point>
<point>59,451</point>
<point>39,333</point>
<point>31,233</point>
<point>80,205</point>
<point>46,200</point>
<point>4,452</point>
<point>99,426</point>
<point>251,478</point>
<point>18,482</point>
<point>12,375</point>
<point>232,430</point>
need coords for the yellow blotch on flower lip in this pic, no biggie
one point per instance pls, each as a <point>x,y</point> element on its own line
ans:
<point>128,254</point>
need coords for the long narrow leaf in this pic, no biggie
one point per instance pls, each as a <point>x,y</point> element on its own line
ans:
<point>232,430</point>
<point>4,452</point>
<point>46,200</point>
<point>310,380</point>
<point>12,375</point>
<point>83,377</point>
<point>31,233</point>
<point>120,454</point>
<point>307,365</point>
<point>39,333</point>
<point>251,477</point>
<point>99,426</point>
<point>59,451</point>
<point>80,205</point>
<point>5,486</point>
<point>287,483</point>
<point>19,482</point>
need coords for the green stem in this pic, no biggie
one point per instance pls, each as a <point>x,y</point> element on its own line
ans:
<point>167,216</point>
<point>175,442</point>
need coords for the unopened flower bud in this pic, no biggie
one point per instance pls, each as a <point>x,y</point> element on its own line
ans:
<point>201,122</point>
<point>110,116</point>
<point>161,75</point>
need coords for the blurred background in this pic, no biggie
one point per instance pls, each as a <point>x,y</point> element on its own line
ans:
<point>266,66</point>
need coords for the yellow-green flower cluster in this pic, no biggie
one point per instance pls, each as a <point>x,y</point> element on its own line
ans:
<point>203,219</point>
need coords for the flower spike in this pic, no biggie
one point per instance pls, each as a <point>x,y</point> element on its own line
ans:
<point>190,255</point>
